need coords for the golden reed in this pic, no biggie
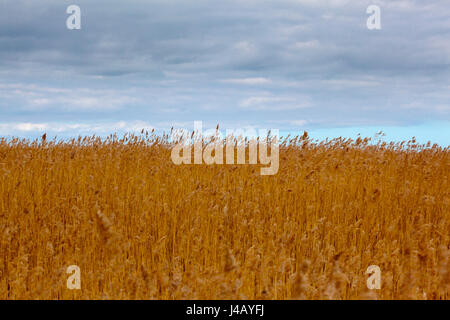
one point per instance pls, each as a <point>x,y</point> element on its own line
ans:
<point>140,227</point>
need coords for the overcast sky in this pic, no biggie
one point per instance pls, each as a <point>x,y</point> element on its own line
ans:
<point>286,64</point>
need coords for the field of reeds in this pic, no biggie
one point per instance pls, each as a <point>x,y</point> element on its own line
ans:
<point>140,227</point>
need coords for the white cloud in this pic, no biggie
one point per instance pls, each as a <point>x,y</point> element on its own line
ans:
<point>299,123</point>
<point>248,81</point>
<point>245,48</point>
<point>74,128</point>
<point>322,3</point>
<point>29,126</point>
<point>35,97</point>
<point>306,44</point>
<point>274,103</point>
<point>349,83</point>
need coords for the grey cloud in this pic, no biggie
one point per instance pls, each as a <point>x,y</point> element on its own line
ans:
<point>186,60</point>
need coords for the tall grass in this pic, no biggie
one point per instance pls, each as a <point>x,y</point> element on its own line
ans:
<point>140,227</point>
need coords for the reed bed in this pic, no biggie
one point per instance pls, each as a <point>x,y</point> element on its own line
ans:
<point>140,227</point>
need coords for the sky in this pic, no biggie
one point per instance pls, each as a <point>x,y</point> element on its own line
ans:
<point>291,65</point>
